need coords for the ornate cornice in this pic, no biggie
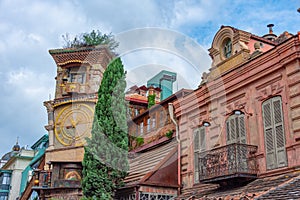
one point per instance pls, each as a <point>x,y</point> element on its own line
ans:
<point>91,55</point>
<point>49,105</point>
<point>270,91</point>
<point>49,127</point>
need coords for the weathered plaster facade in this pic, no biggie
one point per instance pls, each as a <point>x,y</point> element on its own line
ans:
<point>244,82</point>
<point>70,117</point>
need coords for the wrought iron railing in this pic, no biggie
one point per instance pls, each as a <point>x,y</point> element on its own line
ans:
<point>233,160</point>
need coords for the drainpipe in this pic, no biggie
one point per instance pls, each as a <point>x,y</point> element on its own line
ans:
<point>171,112</point>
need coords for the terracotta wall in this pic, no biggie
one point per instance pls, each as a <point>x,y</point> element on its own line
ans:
<point>276,73</point>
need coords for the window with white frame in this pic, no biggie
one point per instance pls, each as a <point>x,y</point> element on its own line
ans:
<point>3,195</point>
<point>153,123</point>
<point>148,124</point>
<point>141,128</point>
<point>5,179</point>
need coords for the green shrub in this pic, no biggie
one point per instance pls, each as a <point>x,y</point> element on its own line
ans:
<point>169,134</point>
<point>139,141</point>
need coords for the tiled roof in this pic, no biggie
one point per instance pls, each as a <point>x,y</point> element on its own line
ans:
<point>90,55</point>
<point>286,186</point>
<point>143,163</point>
<point>288,190</point>
<point>133,97</point>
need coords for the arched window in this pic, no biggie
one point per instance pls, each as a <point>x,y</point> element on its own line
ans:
<point>235,128</point>
<point>274,133</point>
<point>227,48</point>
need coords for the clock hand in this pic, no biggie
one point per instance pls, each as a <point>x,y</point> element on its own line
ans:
<point>73,123</point>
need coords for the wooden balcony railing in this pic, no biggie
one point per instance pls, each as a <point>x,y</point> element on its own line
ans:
<point>227,162</point>
<point>43,181</point>
<point>72,88</point>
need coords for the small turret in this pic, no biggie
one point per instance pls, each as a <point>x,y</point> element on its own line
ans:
<point>16,147</point>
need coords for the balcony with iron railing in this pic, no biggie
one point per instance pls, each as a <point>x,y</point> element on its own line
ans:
<point>227,163</point>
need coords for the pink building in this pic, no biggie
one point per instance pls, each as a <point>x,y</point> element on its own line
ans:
<point>240,129</point>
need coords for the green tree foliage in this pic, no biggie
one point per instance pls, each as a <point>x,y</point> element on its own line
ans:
<point>151,100</point>
<point>93,38</point>
<point>105,161</point>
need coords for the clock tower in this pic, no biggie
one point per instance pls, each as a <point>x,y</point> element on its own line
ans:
<point>70,118</point>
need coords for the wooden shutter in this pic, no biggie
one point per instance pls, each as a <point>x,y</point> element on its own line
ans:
<point>279,132</point>
<point>232,130</point>
<point>227,131</point>
<point>202,139</point>
<point>196,140</point>
<point>196,154</point>
<point>269,138</point>
<point>274,133</point>
<point>242,130</point>
<point>199,146</point>
<point>235,129</point>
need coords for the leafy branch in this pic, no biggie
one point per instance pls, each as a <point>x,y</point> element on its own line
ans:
<point>93,38</point>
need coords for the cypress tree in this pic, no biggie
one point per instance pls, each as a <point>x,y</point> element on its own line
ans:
<point>105,162</point>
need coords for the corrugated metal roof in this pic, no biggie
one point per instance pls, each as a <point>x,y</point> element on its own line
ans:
<point>144,162</point>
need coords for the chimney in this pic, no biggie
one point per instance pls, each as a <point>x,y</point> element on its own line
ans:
<point>157,94</point>
<point>270,26</point>
<point>270,36</point>
<point>150,90</point>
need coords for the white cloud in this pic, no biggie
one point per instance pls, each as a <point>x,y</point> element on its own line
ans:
<point>29,84</point>
<point>23,92</point>
<point>29,28</point>
<point>194,12</point>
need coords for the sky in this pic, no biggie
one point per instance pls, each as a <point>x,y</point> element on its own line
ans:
<point>153,35</point>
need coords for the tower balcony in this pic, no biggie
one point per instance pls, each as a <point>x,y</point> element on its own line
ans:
<point>230,164</point>
<point>43,181</point>
<point>71,87</point>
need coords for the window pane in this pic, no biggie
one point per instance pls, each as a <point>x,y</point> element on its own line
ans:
<point>153,123</point>
<point>142,128</point>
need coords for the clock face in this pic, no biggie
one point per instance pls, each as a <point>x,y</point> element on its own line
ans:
<point>73,124</point>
